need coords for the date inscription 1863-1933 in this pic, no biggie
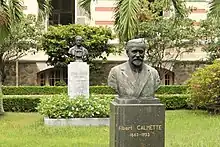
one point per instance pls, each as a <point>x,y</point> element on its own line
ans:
<point>140,130</point>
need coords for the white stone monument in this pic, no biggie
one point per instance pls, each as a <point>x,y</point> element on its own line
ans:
<point>78,71</point>
<point>78,79</point>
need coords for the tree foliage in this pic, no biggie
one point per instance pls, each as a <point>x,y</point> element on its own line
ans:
<point>209,34</point>
<point>24,36</point>
<point>129,13</point>
<point>167,40</point>
<point>57,41</point>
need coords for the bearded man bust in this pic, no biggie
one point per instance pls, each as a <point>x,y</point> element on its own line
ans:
<point>134,80</point>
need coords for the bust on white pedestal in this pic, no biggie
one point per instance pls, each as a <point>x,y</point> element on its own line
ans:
<point>78,71</point>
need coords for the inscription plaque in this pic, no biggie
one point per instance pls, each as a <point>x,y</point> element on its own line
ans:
<point>78,79</point>
<point>133,125</point>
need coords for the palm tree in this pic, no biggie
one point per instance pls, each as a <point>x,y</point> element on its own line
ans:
<point>11,12</point>
<point>129,13</point>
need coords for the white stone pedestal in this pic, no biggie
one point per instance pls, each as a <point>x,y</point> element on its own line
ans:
<point>78,79</point>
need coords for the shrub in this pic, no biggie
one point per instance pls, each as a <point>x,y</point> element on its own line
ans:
<point>61,106</point>
<point>33,90</point>
<point>20,103</point>
<point>172,89</point>
<point>174,101</point>
<point>49,90</point>
<point>204,86</point>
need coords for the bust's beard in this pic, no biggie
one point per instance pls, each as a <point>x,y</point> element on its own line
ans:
<point>136,65</point>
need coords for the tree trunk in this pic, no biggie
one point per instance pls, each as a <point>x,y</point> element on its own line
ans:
<point>1,95</point>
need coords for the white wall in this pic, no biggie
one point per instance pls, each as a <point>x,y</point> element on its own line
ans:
<point>32,7</point>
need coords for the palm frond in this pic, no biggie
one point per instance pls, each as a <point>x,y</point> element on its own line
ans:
<point>10,12</point>
<point>45,8</point>
<point>180,8</point>
<point>4,13</point>
<point>85,5</point>
<point>4,20</point>
<point>126,18</point>
<point>15,10</point>
<point>214,9</point>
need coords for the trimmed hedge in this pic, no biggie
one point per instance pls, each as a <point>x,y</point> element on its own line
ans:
<point>33,90</point>
<point>49,90</point>
<point>172,89</point>
<point>28,103</point>
<point>174,101</point>
<point>21,103</point>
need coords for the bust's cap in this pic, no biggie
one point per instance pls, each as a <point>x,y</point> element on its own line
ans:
<point>140,42</point>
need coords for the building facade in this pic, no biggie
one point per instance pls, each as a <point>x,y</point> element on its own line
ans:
<point>33,70</point>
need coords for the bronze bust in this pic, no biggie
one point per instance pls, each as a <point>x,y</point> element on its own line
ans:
<point>78,51</point>
<point>134,80</point>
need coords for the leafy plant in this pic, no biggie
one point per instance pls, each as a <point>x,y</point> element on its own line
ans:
<point>204,86</point>
<point>61,106</point>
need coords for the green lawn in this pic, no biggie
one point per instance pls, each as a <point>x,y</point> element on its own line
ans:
<point>184,128</point>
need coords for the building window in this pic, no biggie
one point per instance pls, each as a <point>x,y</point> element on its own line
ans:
<point>54,76</point>
<point>63,12</point>
<point>51,76</point>
<point>65,76</point>
<point>167,79</point>
<point>42,79</point>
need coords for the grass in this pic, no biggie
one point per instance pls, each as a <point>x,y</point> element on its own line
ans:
<point>184,128</point>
